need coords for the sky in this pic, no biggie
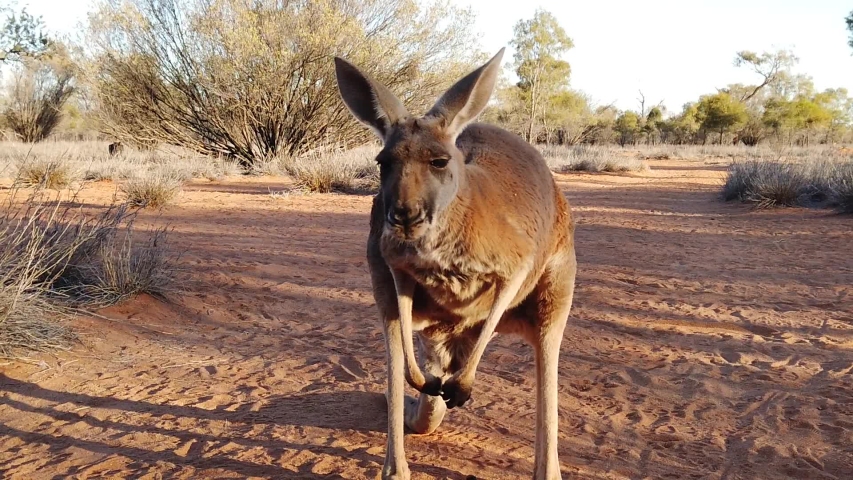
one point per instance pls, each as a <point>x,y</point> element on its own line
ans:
<point>672,50</point>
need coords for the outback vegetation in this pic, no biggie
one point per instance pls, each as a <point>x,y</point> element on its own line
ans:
<point>259,92</point>
<point>209,89</point>
<point>184,291</point>
<point>199,96</point>
<point>56,259</point>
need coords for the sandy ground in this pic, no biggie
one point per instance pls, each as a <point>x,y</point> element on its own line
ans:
<point>707,341</point>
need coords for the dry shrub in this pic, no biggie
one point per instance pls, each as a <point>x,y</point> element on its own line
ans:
<point>320,176</point>
<point>54,173</point>
<point>36,243</point>
<point>54,257</point>
<point>334,170</point>
<point>841,192</point>
<point>273,166</point>
<point>152,189</point>
<point>35,94</point>
<point>590,159</point>
<point>224,167</point>
<point>118,268</point>
<point>166,70</point>
<point>764,183</point>
<point>808,183</point>
<point>90,160</point>
<point>610,165</point>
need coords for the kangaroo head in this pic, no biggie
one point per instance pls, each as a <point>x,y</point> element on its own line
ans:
<point>421,170</point>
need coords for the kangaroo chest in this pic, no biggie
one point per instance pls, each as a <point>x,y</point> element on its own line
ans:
<point>462,287</point>
<point>451,286</point>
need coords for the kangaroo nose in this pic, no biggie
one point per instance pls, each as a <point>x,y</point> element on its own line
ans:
<point>405,216</point>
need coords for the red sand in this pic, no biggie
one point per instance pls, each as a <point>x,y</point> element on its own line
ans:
<point>707,341</point>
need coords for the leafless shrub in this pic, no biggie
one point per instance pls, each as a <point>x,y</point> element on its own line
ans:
<point>254,80</point>
<point>36,92</point>
<point>54,257</point>
<point>35,244</point>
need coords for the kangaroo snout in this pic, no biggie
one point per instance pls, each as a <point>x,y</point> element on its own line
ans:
<point>406,217</point>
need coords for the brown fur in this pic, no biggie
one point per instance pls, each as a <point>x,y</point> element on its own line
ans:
<point>512,210</point>
<point>469,236</point>
<point>116,148</point>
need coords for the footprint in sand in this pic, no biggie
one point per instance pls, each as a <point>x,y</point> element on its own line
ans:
<point>347,368</point>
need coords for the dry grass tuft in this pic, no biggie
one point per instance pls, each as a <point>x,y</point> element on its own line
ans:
<point>272,167</point>
<point>585,158</point>
<point>54,173</point>
<point>53,257</point>
<point>841,192</point>
<point>808,183</point>
<point>91,161</point>
<point>333,170</point>
<point>118,268</point>
<point>152,189</point>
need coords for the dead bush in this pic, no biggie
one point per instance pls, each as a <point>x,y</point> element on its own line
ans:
<point>167,70</point>
<point>335,170</point>
<point>585,158</point>
<point>153,189</point>
<point>35,93</point>
<point>808,183</point>
<point>53,173</point>
<point>54,258</point>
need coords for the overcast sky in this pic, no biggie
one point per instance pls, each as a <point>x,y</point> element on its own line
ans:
<point>672,50</point>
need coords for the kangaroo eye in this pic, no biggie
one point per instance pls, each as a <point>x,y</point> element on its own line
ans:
<point>439,162</point>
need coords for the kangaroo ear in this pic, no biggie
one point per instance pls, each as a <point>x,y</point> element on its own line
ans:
<point>368,100</point>
<point>468,97</point>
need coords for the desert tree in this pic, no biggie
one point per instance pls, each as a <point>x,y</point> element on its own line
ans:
<point>770,66</point>
<point>780,116</point>
<point>796,120</point>
<point>22,35</point>
<point>752,130</point>
<point>773,68</point>
<point>569,118</point>
<point>839,109</point>
<point>628,126</point>
<point>35,94</point>
<point>508,109</point>
<point>720,113</point>
<point>539,45</point>
<point>653,123</point>
<point>812,115</point>
<point>687,123</point>
<point>681,128</point>
<point>603,121</point>
<point>254,79</point>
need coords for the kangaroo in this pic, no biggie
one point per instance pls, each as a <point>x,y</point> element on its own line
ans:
<point>115,148</point>
<point>469,237</point>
